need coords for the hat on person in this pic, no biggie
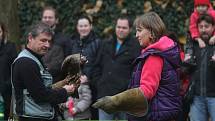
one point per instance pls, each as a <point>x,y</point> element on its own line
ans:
<point>202,2</point>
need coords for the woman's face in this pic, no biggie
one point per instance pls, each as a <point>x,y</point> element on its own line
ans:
<point>84,27</point>
<point>144,36</point>
<point>1,33</point>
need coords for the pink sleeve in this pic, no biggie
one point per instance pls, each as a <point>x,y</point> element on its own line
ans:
<point>151,75</point>
<point>193,26</point>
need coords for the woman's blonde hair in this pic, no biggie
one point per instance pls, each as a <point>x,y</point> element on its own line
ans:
<point>153,23</point>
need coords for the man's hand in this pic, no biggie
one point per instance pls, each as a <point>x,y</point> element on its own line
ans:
<point>201,43</point>
<point>61,83</point>
<point>212,40</point>
<point>70,88</point>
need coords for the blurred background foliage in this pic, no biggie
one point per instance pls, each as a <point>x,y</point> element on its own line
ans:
<point>175,13</point>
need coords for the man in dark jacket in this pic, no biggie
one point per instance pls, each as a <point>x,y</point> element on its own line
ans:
<point>203,75</point>
<point>114,64</point>
<point>54,58</point>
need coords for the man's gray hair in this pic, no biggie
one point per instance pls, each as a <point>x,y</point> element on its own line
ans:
<point>39,28</point>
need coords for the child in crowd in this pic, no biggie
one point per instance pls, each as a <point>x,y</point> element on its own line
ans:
<point>78,108</point>
<point>200,7</point>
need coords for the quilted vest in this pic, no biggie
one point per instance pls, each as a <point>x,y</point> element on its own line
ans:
<point>166,103</point>
<point>30,107</point>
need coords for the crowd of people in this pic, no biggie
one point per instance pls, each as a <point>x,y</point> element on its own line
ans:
<point>149,77</point>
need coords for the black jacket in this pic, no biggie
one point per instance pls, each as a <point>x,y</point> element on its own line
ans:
<point>204,72</point>
<point>88,47</point>
<point>113,70</point>
<point>61,40</point>
<point>7,55</point>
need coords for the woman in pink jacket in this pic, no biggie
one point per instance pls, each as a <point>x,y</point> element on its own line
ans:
<point>154,90</point>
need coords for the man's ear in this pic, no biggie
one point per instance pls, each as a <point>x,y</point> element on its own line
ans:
<point>30,37</point>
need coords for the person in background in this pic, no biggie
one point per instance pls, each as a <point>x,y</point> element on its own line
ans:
<point>33,95</point>
<point>113,68</point>
<point>154,90</point>
<point>200,7</point>
<point>7,55</point>
<point>50,17</point>
<point>55,56</point>
<point>85,42</point>
<point>203,106</point>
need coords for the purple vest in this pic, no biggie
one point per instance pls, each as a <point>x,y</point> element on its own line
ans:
<point>166,103</point>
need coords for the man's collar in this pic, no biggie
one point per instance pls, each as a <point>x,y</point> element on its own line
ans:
<point>35,54</point>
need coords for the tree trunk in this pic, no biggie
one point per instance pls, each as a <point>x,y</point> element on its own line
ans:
<point>9,16</point>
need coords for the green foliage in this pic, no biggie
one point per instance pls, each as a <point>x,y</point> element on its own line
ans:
<point>174,14</point>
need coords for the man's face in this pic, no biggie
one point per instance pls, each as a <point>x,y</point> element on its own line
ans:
<point>205,30</point>
<point>40,44</point>
<point>122,29</point>
<point>49,18</point>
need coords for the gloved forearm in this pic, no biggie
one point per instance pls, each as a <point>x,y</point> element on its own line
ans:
<point>131,101</point>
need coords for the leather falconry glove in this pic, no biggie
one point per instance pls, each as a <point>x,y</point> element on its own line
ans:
<point>131,101</point>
